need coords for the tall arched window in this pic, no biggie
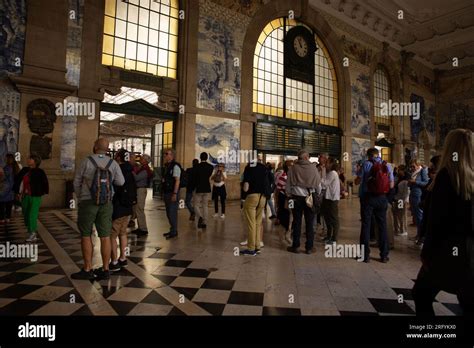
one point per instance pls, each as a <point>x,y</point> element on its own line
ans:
<point>381,95</point>
<point>276,95</point>
<point>141,35</point>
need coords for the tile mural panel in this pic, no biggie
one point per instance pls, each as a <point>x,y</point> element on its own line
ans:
<point>221,35</point>
<point>220,138</point>
<point>9,121</point>
<point>359,151</point>
<point>360,104</point>
<point>74,42</point>
<point>460,115</point>
<point>12,36</point>
<point>68,139</point>
<point>425,125</point>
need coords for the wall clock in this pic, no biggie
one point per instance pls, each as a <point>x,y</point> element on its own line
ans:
<point>300,47</point>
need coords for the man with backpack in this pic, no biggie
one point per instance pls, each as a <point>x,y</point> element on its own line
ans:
<point>93,185</point>
<point>124,199</point>
<point>171,184</point>
<point>143,175</point>
<point>376,179</point>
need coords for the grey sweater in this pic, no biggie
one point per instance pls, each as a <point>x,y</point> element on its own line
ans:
<point>85,175</point>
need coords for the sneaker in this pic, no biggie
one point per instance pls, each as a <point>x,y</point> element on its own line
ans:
<point>403,234</point>
<point>222,216</point>
<point>330,241</point>
<point>114,267</point>
<point>32,238</point>
<point>244,243</point>
<point>83,275</point>
<point>247,252</point>
<point>310,251</point>
<point>171,235</point>
<point>101,274</point>
<point>384,259</point>
<point>261,245</point>
<point>215,215</point>
<point>123,263</point>
<point>257,251</point>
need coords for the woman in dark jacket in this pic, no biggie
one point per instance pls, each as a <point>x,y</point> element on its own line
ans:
<point>124,198</point>
<point>448,251</point>
<point>31,185</point>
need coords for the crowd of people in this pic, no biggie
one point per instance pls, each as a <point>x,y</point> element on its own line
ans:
<point>111,194</point>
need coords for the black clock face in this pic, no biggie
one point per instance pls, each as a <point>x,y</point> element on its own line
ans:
<point>301,46</point>
<point>299,54</point>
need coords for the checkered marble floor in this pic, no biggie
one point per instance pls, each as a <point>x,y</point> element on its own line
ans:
<point>199,274</point>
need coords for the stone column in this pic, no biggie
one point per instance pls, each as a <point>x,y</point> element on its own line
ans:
<point>44,77</point>
<point>87,130</point>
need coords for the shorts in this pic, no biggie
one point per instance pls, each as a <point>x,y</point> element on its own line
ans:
<point>89,214</point>
<point>119,226</point>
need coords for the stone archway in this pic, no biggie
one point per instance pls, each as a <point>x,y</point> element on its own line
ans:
<point>311,17</point>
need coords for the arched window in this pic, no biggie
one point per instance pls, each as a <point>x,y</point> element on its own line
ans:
<point>276,95</point>
<point>141,35</point>
<point>381,95</point>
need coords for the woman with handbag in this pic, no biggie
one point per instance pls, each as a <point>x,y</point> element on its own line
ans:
<point>419,179</point>
<point>283,213</point>
<point>329,208</point>
<point>218,189</point>
<point>448,251</point>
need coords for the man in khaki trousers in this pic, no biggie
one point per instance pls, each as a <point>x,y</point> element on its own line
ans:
<point>254,186</point>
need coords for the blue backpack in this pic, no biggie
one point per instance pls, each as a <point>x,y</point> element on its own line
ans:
<point>101,188</point>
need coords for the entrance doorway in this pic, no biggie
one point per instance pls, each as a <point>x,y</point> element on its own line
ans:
<point>132,121</point>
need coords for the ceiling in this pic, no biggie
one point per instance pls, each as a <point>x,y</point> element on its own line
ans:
<point>435,30</point>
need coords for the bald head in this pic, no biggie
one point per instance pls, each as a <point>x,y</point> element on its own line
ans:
<point>101,145</point>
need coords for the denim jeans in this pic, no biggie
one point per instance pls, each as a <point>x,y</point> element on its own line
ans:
<point>375,206</point>
<point>415,200</point>
<point>299,209</point>
<point>172,212</point>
